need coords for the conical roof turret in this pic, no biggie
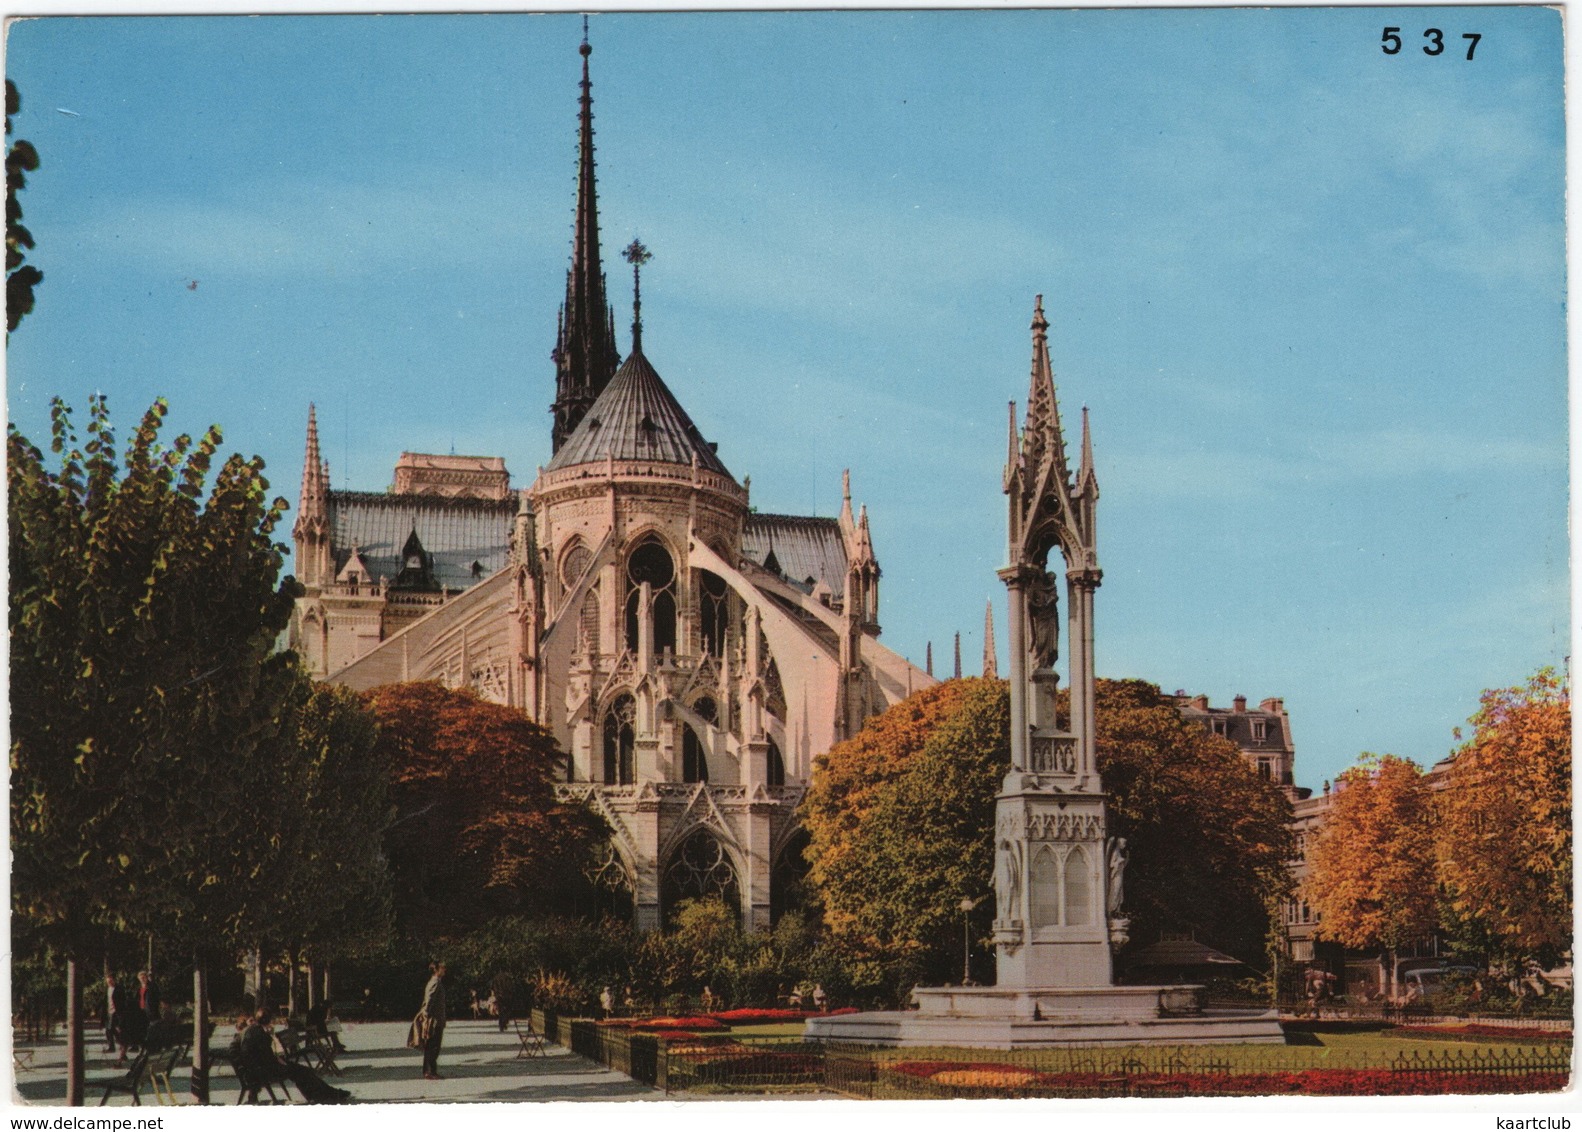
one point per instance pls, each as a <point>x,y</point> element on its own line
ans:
<point>637,418</point>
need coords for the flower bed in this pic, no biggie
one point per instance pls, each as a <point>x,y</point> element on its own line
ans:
<point>1473,1030</point>
<point>981,1079</point>
<point>691,1024</point>
<point>754,1017</point>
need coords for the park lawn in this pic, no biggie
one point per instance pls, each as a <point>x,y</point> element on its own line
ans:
<point>769,1030</point>
<point>1359,1050</point>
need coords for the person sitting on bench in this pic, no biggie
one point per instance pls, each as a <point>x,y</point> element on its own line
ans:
<point>256,1053</point>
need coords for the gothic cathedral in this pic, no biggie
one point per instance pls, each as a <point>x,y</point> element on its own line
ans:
<point>691,655</point>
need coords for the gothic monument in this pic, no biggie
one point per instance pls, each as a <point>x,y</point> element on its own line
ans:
<point>1059,875</point>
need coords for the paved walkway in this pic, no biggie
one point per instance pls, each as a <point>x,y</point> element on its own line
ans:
<point>477,1062</point>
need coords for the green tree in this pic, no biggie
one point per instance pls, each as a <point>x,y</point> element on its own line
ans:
<point>20,159</point>
<point>928,841</point>
<point>143,618</point>
<point>478,832</point>
<point>1504,824</point>
<point>1372,867</point>
<point>324,868</point>
<point>848,781</point>
<point>1208,839</point>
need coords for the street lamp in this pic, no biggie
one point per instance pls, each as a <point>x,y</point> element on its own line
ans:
<point>967,905</point>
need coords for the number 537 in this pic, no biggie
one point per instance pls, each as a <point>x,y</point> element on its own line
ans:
<point>1435,44</point>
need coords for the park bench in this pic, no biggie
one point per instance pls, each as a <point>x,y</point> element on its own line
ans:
<point>320,1047</point>
<point>252,1081</point>
<point>132,1081</point>
<point>530,1043</point>
<point>161,1066</point>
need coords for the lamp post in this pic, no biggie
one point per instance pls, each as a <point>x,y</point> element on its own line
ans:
<point>967,905</point>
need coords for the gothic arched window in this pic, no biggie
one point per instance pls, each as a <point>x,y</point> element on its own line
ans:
<point>620,741</point>
<point>776,770</point>
<point>1043,882</point>
<point>652,563</point>
<point>713,612</point>
<point>1079,901</point>
<point>699,868</point>
<point>704,708</point>
<point>694,763</point>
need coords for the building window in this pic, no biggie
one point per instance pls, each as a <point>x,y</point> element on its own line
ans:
<point>1218,726</point>
<point>1260,730</point>
<point>620,737</point>
<point>651,563</point>
<point>713,610</point>
<point>777,766</point>
<point>694,763</point>
<point>700,869</point>
<point>1265,771</point>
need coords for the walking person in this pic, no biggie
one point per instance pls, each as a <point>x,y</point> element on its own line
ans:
<point>428,1028</point>
<point>114,1017</point>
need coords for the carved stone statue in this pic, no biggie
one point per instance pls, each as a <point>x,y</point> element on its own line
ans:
<point>1008,883</point>
<point>1117,863</point>
<point>1043,620</point>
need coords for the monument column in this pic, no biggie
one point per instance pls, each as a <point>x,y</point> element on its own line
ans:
<point>1012,576</point>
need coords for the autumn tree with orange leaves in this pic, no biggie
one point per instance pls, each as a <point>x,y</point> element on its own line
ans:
<point>477,831</point>
<point>1372,879</point>
<point>1504,832</point>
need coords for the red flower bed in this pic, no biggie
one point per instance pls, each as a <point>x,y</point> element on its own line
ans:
<point>988,1078</point>
<point>752,1017</point>
<point>665,1025</point>
<point>1477,1030</point>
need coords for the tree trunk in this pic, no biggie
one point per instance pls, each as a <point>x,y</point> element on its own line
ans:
<point>200,1034</point>
<point>326,981</point>
<point>313,984</point>
<point>293,1005</point>
<point>260,991</point>
<point>74,1051</point>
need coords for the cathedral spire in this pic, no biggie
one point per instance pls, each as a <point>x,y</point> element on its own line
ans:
<point>958,655</point>
<point>585,354</point>
<point>991,667</point>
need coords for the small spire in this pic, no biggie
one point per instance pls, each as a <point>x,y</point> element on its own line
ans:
<point>848,524</point>
<point>637,255</point>
<point>1087,478</point>
<point>864,539</point>
<point>990,666</point>
<point>958,655</point>
<point>929,659</point>
<point>312,464</point>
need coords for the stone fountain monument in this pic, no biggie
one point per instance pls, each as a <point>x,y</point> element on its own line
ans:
<point>1059,875</point>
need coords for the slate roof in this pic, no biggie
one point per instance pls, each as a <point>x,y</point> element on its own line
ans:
<point>636,418</point>
<point>455,532</point>
<point>804,547</point>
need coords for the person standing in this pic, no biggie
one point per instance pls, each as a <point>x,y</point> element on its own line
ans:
<point>430,1021</point>
<point>114,1016</point>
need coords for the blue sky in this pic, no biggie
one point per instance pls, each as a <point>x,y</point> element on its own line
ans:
<point>1312,294</point>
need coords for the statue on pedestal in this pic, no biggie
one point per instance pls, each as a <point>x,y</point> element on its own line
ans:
<point>1043,616</point>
